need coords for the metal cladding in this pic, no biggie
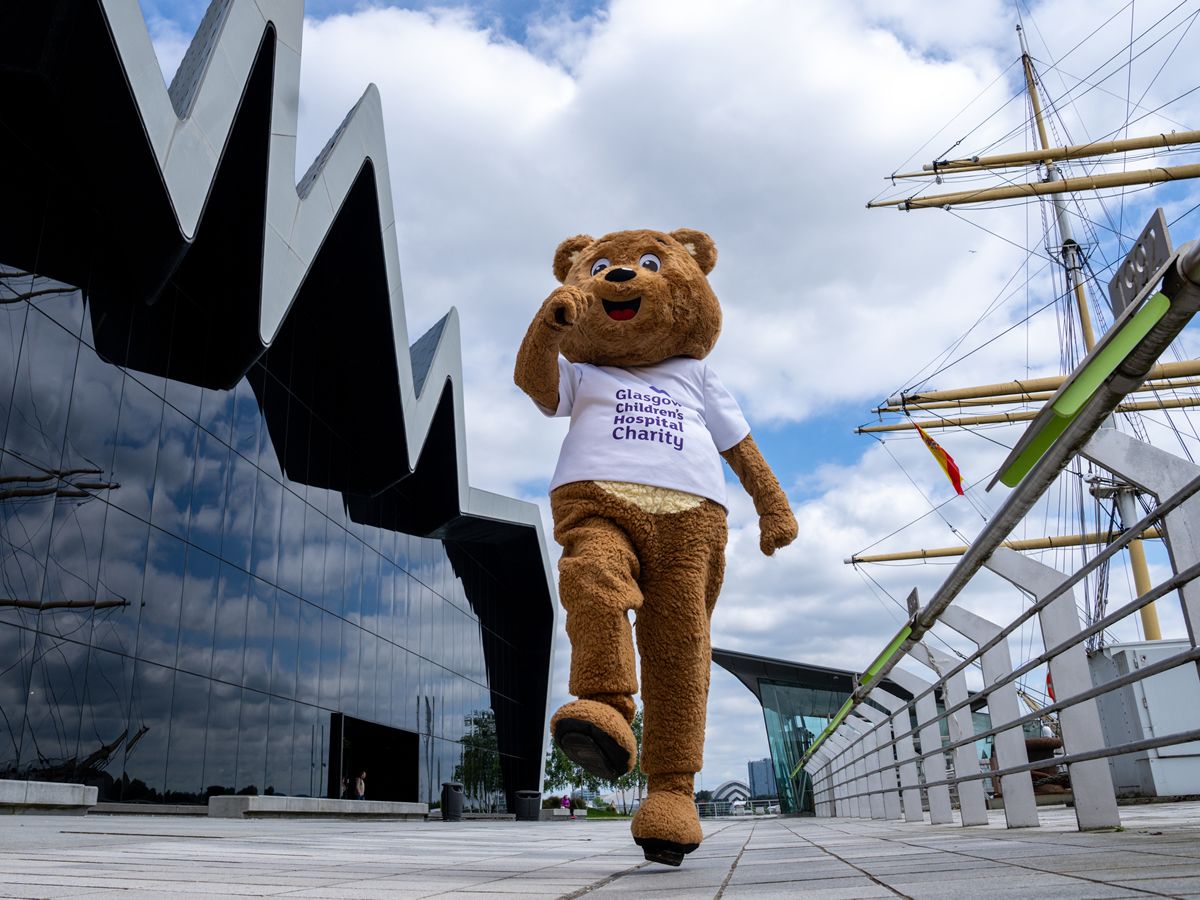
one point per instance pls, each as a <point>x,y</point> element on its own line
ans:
<point>177,212</point>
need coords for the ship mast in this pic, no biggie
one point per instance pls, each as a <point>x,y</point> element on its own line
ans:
<point>1070,249</point>
<point>1122,494</point>
<point>1054,185</point>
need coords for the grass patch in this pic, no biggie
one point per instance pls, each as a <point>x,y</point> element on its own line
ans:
<point>606,814</point>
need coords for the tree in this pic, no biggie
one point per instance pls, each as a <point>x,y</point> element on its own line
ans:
<point>635,778</point>
<point>561,772</point>
<point>479,770</point>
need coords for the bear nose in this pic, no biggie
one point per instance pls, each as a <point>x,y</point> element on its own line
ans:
<point>624,273</point>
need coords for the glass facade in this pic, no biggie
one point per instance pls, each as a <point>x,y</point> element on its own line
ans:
<point>179,618</point>
<point>795,715</point>
<point>799,701</point>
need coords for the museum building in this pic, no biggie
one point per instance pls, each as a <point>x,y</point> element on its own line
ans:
<point>238,546</point>
<point>798,700</point>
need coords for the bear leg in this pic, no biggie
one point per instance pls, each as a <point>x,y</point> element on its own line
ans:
<point>680,590</point>
<point>598,587</point>
<point>666,825</point>
<point>594,735</point>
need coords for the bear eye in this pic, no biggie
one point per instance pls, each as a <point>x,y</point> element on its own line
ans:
<point>600,265</point>
<point>650,261</point>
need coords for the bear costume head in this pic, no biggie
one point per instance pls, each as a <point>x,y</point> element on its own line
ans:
<point>651,299</point>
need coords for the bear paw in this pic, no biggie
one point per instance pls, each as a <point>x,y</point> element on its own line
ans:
<point>595,736</point>
<point>777,530</point>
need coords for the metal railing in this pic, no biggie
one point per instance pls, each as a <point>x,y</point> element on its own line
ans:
<point>867,763</point>
<point>760,807</point>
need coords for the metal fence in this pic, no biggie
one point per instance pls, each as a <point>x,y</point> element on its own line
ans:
<point>884,756</point>
<point>715,808</point>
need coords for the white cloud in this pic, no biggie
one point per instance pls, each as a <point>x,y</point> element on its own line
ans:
<point>768,123</point>
<point>170,43</point>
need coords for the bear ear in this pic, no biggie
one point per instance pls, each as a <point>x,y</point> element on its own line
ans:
<point>700,245</point>
<point>566,254</point>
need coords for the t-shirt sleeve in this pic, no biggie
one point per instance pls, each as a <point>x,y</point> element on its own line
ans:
<point>722,415</point>
<point>568,383</point>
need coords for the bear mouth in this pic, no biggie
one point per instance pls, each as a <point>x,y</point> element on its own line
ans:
<point>622,310</point>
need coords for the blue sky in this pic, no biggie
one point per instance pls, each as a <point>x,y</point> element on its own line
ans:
<point>511,15</point>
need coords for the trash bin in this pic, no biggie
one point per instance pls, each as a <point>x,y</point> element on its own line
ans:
<point>529,806</point>
<point>452,801</point>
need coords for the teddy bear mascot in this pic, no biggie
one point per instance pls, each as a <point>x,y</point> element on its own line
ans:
<point>638,500</point>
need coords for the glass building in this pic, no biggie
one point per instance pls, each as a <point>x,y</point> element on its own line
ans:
<point>225,568</point>
<point>761,773</point>
<point>798,701</point>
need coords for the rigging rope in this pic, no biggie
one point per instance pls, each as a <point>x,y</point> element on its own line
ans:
<point>1069,93</point>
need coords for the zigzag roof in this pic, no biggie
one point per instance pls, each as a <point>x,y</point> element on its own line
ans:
<point>177,206</point>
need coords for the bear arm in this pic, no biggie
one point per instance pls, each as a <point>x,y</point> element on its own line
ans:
<point>536,372</point>
<point>777,523</point>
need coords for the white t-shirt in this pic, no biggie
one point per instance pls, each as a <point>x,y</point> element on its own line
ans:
<point>662,425</point>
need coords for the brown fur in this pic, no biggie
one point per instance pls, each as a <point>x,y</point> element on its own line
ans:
<point>665,567</point>
<point>611,713</point>
<point>776,521</point>
<point>669,812</point>
<point>679,315</point>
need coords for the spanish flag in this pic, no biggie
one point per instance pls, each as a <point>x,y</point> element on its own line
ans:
<point>943,458</point>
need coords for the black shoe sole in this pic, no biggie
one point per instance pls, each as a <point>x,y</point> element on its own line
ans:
<point>587,746</point>
<point>666,852</point>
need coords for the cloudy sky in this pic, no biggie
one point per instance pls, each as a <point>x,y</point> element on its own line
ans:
<point>767,123</point>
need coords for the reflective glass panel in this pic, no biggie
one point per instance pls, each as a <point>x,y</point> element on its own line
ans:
<point>179,618</point>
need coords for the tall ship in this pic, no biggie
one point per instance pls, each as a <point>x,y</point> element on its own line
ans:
<point>1080,161</point>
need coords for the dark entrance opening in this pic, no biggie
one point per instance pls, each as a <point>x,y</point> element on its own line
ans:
<point>389,756</point>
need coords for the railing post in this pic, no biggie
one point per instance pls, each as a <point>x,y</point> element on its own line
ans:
<point>906,754</point>
<point>868,744</point>
<point>817,768</point>
<point>841,782</point>
<point>972,806</point>
<point>1162,474</point>
<point>853,728</point>
<point>1091,780</point>
<point>885,765</point>
<point>934,765</point>
<point>1020,806</point>
<point>860,785</point>
<point>827,807</point>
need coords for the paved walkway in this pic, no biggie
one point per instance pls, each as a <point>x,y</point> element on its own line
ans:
<point>1157,855</point>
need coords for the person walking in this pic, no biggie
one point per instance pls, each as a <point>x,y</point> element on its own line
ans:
<point>360,786</point>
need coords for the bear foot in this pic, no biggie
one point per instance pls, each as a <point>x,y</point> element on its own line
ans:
<point>595,736</point>
<point>666,825</point>
<point>665,852</point>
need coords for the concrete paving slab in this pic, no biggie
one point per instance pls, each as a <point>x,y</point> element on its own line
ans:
<point>35,890</point>
<point>1148,871</point>
<point>953,890</point>
<point>132,856</point>
<point>972,866</point>
<point>773,892</point>
<point>1166,884</point>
